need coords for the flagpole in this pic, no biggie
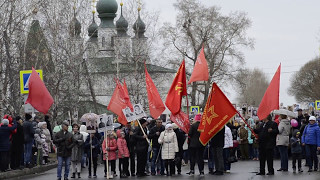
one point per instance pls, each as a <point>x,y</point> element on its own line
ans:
<point>143,132</point>
<point>255,135</point>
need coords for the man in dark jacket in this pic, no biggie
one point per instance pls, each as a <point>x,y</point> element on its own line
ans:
<point>217,144</point>
<point>141,147</point>
<point>131,146</point>
<point>17,145</point>
<point>181,138</point>
<point>156,160</point>
<point>28,132</point>
<point>195,147</point>
<point>5,132</point>
<point>64,143</point>
<point>267,133</point>
<point>299,119</point>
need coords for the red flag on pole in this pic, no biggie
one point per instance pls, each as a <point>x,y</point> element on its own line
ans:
<point>182,120</point>
<point>39,96</point>
<point>200,70</point>
<point>218,112</point>
<point>270,100</point>
<point>127,95</point>
<point>119,101</point>
<point>177,90</point>
<point>156,105</point>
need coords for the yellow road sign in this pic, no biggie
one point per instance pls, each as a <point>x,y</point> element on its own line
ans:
<point>24,80</point>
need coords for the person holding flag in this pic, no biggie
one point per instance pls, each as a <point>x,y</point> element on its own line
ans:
<point>267,133</point>
<point>141,147</point>
<point>196,149</point>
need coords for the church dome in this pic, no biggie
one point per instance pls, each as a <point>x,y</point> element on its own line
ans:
<point>75,27</point>
<point>107,6</point>
<point>139,25</point>
<point>93,29</point>
<point>122,24</point>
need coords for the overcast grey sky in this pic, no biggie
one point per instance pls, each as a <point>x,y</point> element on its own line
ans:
<point>285,31</point>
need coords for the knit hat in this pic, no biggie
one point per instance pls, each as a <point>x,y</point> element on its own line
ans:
<point>65,122</point>
<point>5,122</point>
<point>312,118</point>
<point>197,117</point>
<point>40,124</point>
<point>168,126</point>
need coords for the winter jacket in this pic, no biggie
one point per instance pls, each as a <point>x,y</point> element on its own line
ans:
<point>154,137</point>
<point>194,135</point>
<point>96,146</point>
<point>218,140</point>
<point>131,143</point>
<point>243,134</point>
<point>123,150</point>
<point>46,132</point>
<point>284,131</point>
<point>28,131</point>
<point>181,138</point>
<point>37,137</point>
<point>169,142</point>
<point>64,143</point>
<point>228,141</point>
<point>77,149</point>
<point>45,148</point>
<point>112,152</point>
<point>295,143</point>
<point>141,143</point>
<point>311,134</point>
<point>5,132</point>
<point>18,139</point>
<point>267,139</point>
<point>83,130</point>
<point>250,140</point>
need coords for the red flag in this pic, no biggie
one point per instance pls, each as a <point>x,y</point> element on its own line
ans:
<point>182,120</point>
<point>218,112</point>
<point>177,90</point>
<point>156,105</point>
<point>270,100</point>
<point>127,95</point>
<point>200,70</point>
<point>119,101</point>
<point>39,96</point>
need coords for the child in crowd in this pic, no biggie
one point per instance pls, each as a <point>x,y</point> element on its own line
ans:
<point>123,154</point>
<point>296,151</point>
<point>45,149</point>
<point>109,149</point>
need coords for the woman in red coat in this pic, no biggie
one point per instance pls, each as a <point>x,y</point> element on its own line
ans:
<point>123,154</point>
<point>111,151</point>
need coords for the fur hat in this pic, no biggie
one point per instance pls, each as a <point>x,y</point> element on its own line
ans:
<point>40,124</point>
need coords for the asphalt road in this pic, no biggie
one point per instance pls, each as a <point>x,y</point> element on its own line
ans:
<point>241,170</point>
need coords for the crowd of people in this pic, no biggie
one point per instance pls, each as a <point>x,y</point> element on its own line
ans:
<point>159,148</point>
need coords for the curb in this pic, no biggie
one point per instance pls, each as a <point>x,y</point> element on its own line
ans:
<point>18,174</point>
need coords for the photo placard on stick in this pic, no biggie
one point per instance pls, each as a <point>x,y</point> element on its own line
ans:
<point>137,113</point>
<point>105,123</point>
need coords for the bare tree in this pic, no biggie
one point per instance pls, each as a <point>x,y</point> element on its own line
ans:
<point>223,36</point>
<point>251,85</point>
<point>305,83</point>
